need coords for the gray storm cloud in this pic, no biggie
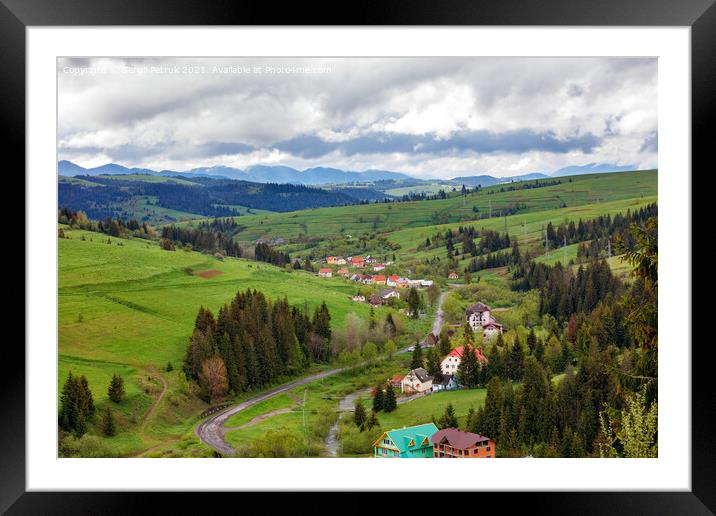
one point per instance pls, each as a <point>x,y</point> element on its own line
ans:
<point>425,116</point>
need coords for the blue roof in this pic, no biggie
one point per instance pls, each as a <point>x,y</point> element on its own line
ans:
<point>403,436</point>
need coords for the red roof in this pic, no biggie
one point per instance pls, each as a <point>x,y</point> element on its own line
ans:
<point>393,278</point>
<point>397,378</point>
<point>457,352</point>
<point>325,270</point>
<point>379,278</point>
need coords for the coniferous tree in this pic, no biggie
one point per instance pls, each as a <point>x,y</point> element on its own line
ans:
<point>389,401</point>
<point>515,360</point>
<point>76,405</point>
<point>372,421</point>
<point>108,425</point>
<point>468,372</point>
<point>444,344</point>
<point>448,419</point>
<point>417,359</point>
<point>359,415</point>
<point>116,389</point>
<point>434,364</point>
<point>378,399</point>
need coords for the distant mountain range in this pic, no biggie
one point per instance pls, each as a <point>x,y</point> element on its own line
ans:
<point>255,174</point>
<point>324,175</point>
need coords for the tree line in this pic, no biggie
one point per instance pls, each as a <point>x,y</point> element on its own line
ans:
<point>254,341</point>
<point>203,239</point>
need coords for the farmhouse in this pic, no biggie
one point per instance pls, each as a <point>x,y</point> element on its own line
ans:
<point>417,381</point>
<point>453,275</point>
<point>404,443</point>
<point>343,272</point>
<point>451,362</point>
<point>325,273</point>
<point>491,330</point>
<point>451,443</point>
<point>446,382</point>
<point>378,267</point>
<point>392,281</point>
<point>379,280</point>
<point>340,260</point>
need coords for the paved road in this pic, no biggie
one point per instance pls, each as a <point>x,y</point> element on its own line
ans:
<point>211,430</point>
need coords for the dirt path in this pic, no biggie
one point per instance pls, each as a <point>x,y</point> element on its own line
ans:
<point>150,413</point>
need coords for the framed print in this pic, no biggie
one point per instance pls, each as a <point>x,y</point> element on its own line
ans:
<point>267,256</point>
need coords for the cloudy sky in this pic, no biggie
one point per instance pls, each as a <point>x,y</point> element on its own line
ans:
<point>428,117</point>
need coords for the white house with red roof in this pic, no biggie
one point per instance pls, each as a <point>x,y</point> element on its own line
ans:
<point>357,261</point>
<point>392,281</point>
<point>451,362</point>
<point>325,273</point>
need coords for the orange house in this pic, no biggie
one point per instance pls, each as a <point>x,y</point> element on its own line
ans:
<point>451,443</point>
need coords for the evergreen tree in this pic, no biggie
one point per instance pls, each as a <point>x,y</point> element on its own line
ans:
<point>434,365</point>
<point>535,409</point>
<point>76,405</point>
<point>444,344</point>
<point>449,419</point>
<point>372,421</point>
<point>532,340</point>
<point>468,372</point>
<point>108,424</point>
<point>378,399</point>
<point>116,389</point>
<point>389,401</point>
<point>417,359</point>
<point>359,415</point>
<point>515,360</point>
<point>415,303</point>
<point>492,409</point>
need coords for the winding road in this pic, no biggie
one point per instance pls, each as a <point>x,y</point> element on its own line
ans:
<point>211,430</point>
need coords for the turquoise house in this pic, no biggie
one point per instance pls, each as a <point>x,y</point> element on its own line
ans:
<point>413,442</point>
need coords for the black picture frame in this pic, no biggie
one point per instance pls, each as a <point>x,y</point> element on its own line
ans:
<point>17,15</point>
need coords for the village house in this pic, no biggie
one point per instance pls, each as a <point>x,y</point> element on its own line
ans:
<point>370,259</point>
<point>491,330</point>
<point>379,280</point>
<point>416,381</point>
<point>340,260</point>
<point>366,279</point>
<point>387,293</point>
<point>401,283</point>
<point>358,298</point>
<point>453,275</point>
<point>375,300</point>
<point>343,272</point>
<point>451,362</point>
<point>479,317</point>
<point>446,382</point>
<point>357,261</point>
<point>325,273</point>
<point>330,260</point>
<point>355,277</point>
<point>431,340</point>
<point>405,443</point>
<point>451,443</point>
<point>378,267</point>
<point>395,380</point>
<point>392,281</point>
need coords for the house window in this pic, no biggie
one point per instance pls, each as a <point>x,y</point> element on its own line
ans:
<point>488,449</point>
